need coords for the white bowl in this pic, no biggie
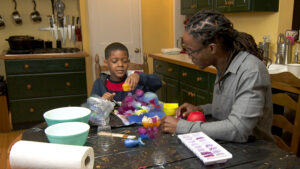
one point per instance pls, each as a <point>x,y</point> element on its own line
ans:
<point>67,114</point>
<point>294,69</point>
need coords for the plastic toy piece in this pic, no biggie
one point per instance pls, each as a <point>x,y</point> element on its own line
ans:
<point>126,87</point>
<point>150,122</point>
<point>133,143</point>
<point>196,116</point>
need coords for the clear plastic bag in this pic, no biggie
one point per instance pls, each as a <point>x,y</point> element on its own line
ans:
<point>101,109</point>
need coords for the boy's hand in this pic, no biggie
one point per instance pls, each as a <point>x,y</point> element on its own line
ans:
<point>133,80</point>
<point>108,96</point>
<point>169,124</point>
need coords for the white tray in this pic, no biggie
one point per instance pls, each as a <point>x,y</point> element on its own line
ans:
<point>205,148</point>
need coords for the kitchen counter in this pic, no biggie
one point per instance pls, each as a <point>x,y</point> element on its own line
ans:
<point>280,79</point>
<point>42,55</point>
<point>182,60</point>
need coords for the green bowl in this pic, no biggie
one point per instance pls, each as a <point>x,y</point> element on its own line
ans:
<point>67,114</point>
<point>72,133</point>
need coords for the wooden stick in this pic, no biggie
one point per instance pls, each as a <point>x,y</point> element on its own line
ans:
<point>102,133</point>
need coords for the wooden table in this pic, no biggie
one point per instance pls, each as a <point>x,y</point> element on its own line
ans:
<point>166,151</point>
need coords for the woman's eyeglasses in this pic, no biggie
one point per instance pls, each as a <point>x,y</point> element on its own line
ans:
<point>190,52</point>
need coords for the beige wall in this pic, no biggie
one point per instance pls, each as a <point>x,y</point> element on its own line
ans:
<point>157,23</point>
<point>265,23</point>
<point>25,7</point>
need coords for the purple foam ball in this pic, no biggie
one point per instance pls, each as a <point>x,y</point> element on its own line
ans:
<point>155,129</point>
<point>139,93</point>
<point>128,99</point>
<point>154,119</point>
<point>144,103</point>
<point>142,130</point>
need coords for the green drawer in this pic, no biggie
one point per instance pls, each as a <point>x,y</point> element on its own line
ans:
<point>32,110</point>
<point>29,66</point>
<point>194,77</point>
<point>165,68</point>
<point>193,95</point>
<point>202,97</point>
<point>46,85</point>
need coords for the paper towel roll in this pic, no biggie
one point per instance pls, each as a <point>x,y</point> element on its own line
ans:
<point>29,154</point>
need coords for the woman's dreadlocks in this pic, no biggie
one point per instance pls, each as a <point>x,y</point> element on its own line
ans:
<point>209,26</point>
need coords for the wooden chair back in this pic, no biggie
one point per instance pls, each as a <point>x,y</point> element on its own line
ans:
<point>287,83</point>
<point>132,66</point>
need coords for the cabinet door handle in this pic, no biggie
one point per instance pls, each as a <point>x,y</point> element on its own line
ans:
<point>28,86</point>
<point>193,6</point>
<point>26,66</point>
<point>199,79</point>
<point>189,93</point>
<point>68,84</point>
<point>31,110</point>
<point>163,83</point>
<point>170,70</point>
<point>193,94</point>
<point>157,66</point>
<point>66,64</point>
<point>184,74</point>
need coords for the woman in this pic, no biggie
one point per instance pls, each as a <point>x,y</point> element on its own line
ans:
<point>242,102</point>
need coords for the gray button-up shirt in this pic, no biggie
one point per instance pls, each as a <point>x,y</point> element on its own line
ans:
<point>242,104</point>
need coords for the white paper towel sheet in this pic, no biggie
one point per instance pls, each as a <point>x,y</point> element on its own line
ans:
<point>38,155</point>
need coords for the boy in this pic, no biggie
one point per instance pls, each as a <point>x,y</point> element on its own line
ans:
<point>117,61</point>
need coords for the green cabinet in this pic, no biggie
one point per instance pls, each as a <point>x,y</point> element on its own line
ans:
<point>182,84</point>
<point>171,88</point>
<point>37,85</point>
<point>190,7</point>
<point>246,5</point>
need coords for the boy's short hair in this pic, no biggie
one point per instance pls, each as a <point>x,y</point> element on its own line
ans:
<point>115,46</point>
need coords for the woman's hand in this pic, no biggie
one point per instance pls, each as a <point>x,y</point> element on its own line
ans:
<point>185,109</point>
<point>133,80</point>
<point>108,96</point>
<point>169,124</point>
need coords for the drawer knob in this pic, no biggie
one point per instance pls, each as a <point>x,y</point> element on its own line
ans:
<point>199,79</point>
<point>157,66</point>
<point>189,93</point>
<point>193,6</point>
<point>68,84</point>
<point>184,74</point>
<point>66,64</point>
<point>31,110</point>
<point>193,94</point>
<point>26,66</point>
<point>28,86</point>
<point>170,70</point>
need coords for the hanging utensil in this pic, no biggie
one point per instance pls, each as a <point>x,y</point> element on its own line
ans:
<point>16,15</point>
<point>65,30</point>
<point>2,23</point>
<point>35,15</point>
<point>52,5</point>
<point>69,28</point>
<point>73,30</point>
<point>60,7</point>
